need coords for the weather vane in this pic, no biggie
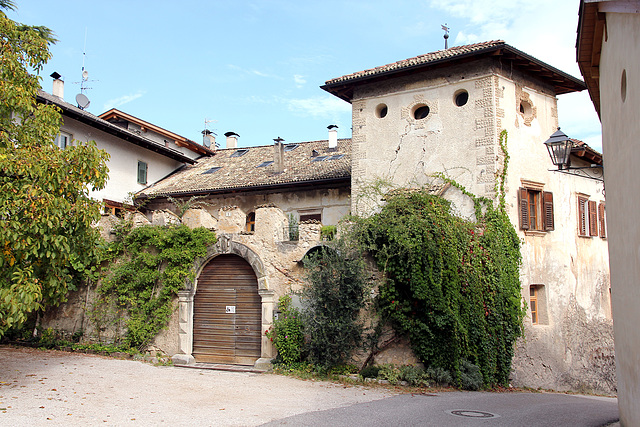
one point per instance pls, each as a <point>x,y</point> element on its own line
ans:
<point>446,35</point>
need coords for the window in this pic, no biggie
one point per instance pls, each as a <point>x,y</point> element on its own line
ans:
<point>319,158</point>
<point>251,222</point>
<point>239,153</point>
<point>263,164</point>
<point>537,305</point>
<point>461,98</point>
<point>603,224</point>
<point>290,147</point>
<point>212,170</point>
<point>381,111</point>
<point>591,220</point>
<point>63,140</point>
<point>421,112</point>
<point>533,304</point>
<point>536,208</point>
<point>142,172</point>
<point>311,215</point>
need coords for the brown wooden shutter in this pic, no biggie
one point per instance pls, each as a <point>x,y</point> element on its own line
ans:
<point>523,201</point>
<point>582,219</point>
<point>547,200</point>
<point>593,218</point>
<point>603,227</point>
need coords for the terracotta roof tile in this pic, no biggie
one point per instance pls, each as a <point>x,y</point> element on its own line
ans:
<point>420,59</point>
<point>242,172</point>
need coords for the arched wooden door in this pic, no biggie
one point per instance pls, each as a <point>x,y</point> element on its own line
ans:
<point>227,313</point>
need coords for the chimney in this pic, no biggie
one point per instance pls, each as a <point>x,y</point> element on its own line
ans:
<point>58,86</point>
<point>232,139</point>
<point>278,155</point>
<point>209,139</point>
<point>333,137</point>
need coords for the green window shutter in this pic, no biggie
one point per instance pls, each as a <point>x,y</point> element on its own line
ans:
<point>142,172</point>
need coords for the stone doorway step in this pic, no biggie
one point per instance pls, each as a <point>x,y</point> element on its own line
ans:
<point>222,367</point>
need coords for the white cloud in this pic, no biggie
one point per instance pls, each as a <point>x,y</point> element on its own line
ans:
<point>299,80</point>
<point>117,102</point>
<point>319,107</point>
<point>545,29</point>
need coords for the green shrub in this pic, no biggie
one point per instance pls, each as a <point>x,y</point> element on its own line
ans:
<point>439,376</point>
<point>470,376</point>
<point>287,333</point>
<point>413,375</point>
<point>370,371</point>
<point>389,372</point>
<point>328,232</point>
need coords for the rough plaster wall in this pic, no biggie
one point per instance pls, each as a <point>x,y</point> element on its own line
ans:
<point>558,353</point>
<point>620,130</point>
<point>458,141</point>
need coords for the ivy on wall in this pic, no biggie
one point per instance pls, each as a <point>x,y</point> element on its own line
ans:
<point>148,266</point>
<point>451,285</point>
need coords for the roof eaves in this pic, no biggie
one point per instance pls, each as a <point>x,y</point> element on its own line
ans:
<point>96,122</point>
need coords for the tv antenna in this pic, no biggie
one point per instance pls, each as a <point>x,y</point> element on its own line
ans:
<point>81,98</point>
<point>446,35</point>
<point>206,139</point>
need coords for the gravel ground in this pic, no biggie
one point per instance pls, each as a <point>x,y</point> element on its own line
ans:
<point>54,388</point>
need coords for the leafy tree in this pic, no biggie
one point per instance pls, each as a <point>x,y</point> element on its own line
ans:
<point>46,238</point>
<point>334,295</point>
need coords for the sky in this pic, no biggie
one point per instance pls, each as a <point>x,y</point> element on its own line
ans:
<point>255,67</point>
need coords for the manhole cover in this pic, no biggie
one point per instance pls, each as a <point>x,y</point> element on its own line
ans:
<point>472,414</point>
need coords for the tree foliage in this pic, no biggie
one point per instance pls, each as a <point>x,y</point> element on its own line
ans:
<point>46,238</point>
<point>333,296</point>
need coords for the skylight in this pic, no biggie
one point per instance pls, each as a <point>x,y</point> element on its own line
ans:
<point>213,169</point>
<point>290,147</point>
<point>240,153</point>
<point>319,158</point>
<point>263,164</point>
<point>336,157</point>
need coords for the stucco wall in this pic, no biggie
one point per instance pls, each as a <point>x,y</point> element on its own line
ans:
<point>620,130</point>
<point>123,163</point>
<point>571,348</point>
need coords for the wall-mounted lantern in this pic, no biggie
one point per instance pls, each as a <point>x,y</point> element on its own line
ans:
<point>560,147</point>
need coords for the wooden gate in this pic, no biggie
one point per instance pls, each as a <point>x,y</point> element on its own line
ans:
<point>227,313</point>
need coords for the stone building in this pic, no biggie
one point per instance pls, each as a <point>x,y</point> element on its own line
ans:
<point>439,112</point>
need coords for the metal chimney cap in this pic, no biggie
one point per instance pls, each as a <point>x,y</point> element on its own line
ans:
<point>332,127</point>
<point>278,139</point>
<point>228,134</point>
<point>55,75</point>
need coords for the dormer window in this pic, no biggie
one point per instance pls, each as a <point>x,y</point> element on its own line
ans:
<point>239,153</point>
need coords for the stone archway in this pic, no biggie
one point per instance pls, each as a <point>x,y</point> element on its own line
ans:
<point>225,245</point>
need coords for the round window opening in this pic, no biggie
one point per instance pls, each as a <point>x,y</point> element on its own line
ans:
<point>381,111</point>
<point>623,86</point>
<point>421,112</point>
<point>461,98</point>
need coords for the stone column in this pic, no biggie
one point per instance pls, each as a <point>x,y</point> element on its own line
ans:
<point>185,328</point>
<point>267,351</point>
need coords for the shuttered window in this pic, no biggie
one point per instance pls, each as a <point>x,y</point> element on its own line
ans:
<point>582,215</point>
<point>593,218</point>
<point>142,172</point>
<point>601,220</point>
<point>535,210</point>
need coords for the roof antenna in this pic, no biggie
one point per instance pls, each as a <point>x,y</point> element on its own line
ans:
<point>207,139</point>
<point>446,35</point>
<point>81,98</point>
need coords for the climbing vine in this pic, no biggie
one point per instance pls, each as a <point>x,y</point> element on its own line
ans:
<point>451,285</point>
<point>148,266</point>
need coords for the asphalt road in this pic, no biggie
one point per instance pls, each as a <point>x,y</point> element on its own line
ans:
<point>467,409</point>
<point>54,388</point>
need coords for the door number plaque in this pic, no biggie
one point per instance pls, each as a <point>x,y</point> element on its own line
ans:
<point>231,309</point>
